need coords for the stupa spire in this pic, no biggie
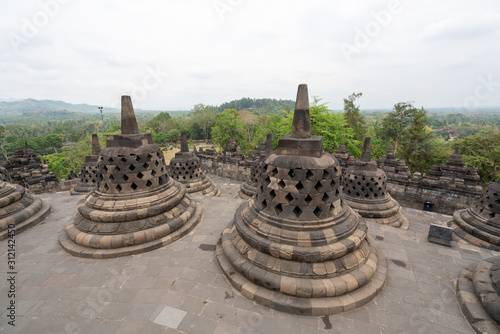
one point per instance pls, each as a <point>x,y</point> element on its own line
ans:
<point>129,123</point>
<point>366,156</point>
<point>96,147</point>
<point>269,143</point>
<point>301,127</point>
<point>184,143</point>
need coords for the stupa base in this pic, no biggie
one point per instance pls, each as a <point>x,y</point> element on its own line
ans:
<point>99,253</point>
<point>81,190</point>
<point>26,218</point>
<point>469,281</point>
<point>384,212</point>
<point>305,306</point>
<point>247,191</point>
<point>205,187</point>
<point>472,235</point>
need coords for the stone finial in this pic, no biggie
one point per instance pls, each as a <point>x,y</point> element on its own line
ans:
<point>129,123</point>
<point>301,127</point>
<point>184,143</point>
<point>366,155</point>
<point>96,147</point>
<point>269,143</point>
<point>456,150</point>
<point>341,149</point>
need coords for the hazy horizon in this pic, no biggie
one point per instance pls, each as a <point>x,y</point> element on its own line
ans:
<point>172,55</point>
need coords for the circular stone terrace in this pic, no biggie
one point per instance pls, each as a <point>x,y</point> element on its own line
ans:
<point>180,288</point>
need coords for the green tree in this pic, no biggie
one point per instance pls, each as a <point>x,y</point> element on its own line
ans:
<point>3,133</point>
<point>204,116</point>
<point>326,123</point>
<point>227,125</point>
<point>354,119</point>
<point>483,150</point>
<point>394,125</point>
<point>416,142</point>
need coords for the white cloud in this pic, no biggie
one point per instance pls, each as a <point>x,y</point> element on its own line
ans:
<point>92,52</point>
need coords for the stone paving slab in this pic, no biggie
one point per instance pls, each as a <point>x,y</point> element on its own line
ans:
<point>58,293</point>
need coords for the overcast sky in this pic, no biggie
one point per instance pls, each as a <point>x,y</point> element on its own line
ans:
<point>173,54</point>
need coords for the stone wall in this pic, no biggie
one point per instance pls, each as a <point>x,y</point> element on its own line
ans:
<point>447,193</point>
<point>230,167</point>
<point>415,192</point>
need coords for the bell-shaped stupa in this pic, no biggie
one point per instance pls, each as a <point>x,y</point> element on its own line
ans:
<point>88,174</point>
<point>19,210</point>
<point>297,246</point>
<point>480,224</point>
<point>185,168</point>
<point>136,207</point>
<point>249,187</point>
<point>364,187</point>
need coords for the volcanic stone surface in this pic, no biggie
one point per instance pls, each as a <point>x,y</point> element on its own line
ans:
<point>19,210</point>
<point>364,187</point>
<point>297,246</point>
<point>478,293</point>
<point>88,174</point>
<point>136,207</point>
<point>480,224</point>
<point>249,187</point>
<point>185,168</point>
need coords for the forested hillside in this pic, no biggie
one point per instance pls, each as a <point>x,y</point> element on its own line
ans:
<point>420,136</point>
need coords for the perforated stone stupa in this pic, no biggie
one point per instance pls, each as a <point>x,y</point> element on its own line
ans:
<point>185,168</point>
<point>297,246</point>
<point>19,210</point>
<point>248,188</point>
<point>365,191</point>
<point>88,174</point>
<point>480,224</point>
<point>136,207</point>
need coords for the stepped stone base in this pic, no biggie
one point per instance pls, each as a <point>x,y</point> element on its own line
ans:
<point>100,253</point>
<point>385,212</point>
<point>247,190</point>
<point>471,234</point>
<point>81,190</point>
<point>35,217</point>
<point>476,294</point>
<point>315,306</point>
<point>203,186</point>
<point>20,209</point>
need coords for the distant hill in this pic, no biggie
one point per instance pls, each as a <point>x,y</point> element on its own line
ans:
<point>15,108</point>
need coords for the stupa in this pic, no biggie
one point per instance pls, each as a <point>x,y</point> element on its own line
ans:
<point>296,246</point>
<point>478,293</point>
<point>454,170</point>
<point>185,168</point>
<point>341,154</point>
<point>136,207</point>
<point>88,174</point>
<point>19,210</point>
<point>365,191</point>
<point>480,224</point>
<point>248,188</point>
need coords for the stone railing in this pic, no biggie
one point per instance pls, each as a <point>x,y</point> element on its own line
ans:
<point>237,168</point>
<point>448,194</point>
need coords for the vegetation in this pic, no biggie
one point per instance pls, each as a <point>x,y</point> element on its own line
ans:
<point>421,136</point>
